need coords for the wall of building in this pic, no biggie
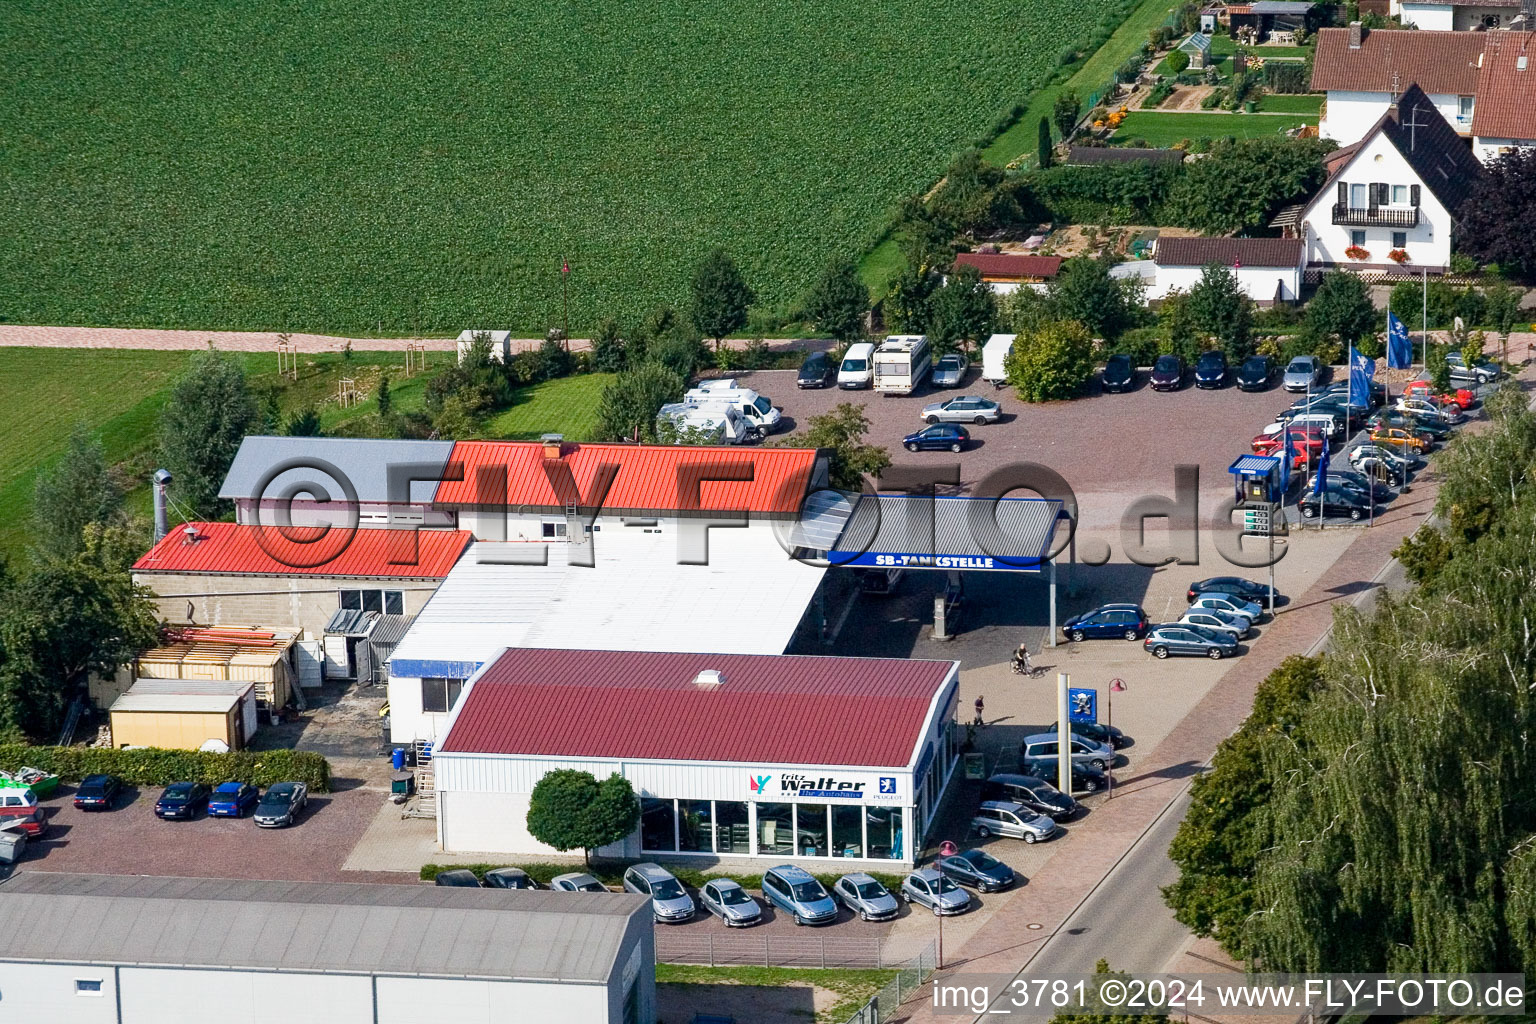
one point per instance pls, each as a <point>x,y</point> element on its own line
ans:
<point>1258,283</point>
<point>175,730</point>
<point>269,602</point>
<point>1348,116</point>
<point>46,992</point>
<point>1489,149</point>
<point>183,996</point>
<point>413,1000</point>
<point>1429,244</point>
<point>1434,17</point>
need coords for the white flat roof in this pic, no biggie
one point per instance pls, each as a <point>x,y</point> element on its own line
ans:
<point>208,703</point>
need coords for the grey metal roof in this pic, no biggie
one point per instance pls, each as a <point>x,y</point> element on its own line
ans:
<point>1019,530</point>
<point>390,630</point>
<point>1196,41</point>
<point>1250,464</point>
<point>1279,7</point>
<point>822,519</point>
<point>314,926</point>
<point>351,622</point>
<point>364,461</point>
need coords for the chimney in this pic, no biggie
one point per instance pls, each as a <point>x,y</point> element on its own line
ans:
<point>709,679</point>
<point>189,534</point>
<point>162,480</point>
<point>1356,35</point>
<point>553,445</point>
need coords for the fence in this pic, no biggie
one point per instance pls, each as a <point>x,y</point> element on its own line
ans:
<point>882,1005</point>
<point>763,950</point>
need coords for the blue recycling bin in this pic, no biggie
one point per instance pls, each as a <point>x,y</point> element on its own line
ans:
<point>397,759</point>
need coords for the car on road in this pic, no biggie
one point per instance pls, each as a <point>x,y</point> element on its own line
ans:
<point>1256,373</point>
<point>1211,369</point>
<point>1229,603</point>
<point>1118,619</point>
<point>939,437</point>
<point>1085,778</point>
<point>1301,373</point>
<point>979,870</point>
<point>458,878</point>
<point>1237,625</point>
<point>1435,429</point>
<point>1463,398</point>
<point>1119,373</point>
<point>281,803</point>
<point>181,801</point>
<point>1168,373</point>
<point>576,881</point>
<point>1481,372</point>
<point>816,372</point>
<point>949,371</point>
<point>1234,585</point>
<point>727,900</point>
<point>938,892</point>
<point>98,792</point>
<point>1107,735</point>
<point>1090,752</point>
<point>233,800</point>
<point>509,878</point>
<point>796,893</point>
<point>1397,437</point>
<point>1011,821</point>
<point>1179,639</point>
<point>1334,500</point>
<point>865,897</point>
<point>965,409</point>
<point>670,902</point>
<point>1034,791</point>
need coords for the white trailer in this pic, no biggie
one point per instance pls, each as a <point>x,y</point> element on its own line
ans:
<point>902,363</point>
<point>994,356</point>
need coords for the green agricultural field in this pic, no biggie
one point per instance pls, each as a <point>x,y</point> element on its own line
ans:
<point>389,167</point>
<point>1160,130</point>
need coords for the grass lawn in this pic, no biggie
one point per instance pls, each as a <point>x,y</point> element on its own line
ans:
<point>852,987</point>
<point>1162,130</point>
<point>567,406</point>
<point>1275,103</point>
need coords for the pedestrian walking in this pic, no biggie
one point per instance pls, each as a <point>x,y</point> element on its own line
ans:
<point>981,707</point>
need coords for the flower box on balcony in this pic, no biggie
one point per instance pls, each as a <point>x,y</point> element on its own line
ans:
<point>1355,252</point>
<point>1398,255</point>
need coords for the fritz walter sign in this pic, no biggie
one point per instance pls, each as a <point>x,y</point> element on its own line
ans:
<point>814,785</point>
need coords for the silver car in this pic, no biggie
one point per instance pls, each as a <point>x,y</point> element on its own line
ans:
<point>866,897</point>
<point>936,892</point>
<point>728,901</point>
<point>1084,750</point>
<point>1480,372</point>
<point>965,409</point>
<point>1227,622</point>
<point>669,900</point>
<point>1227,603</point>
<point>1011,820</point>
<point>949,371</point>
<point>1301,373</point>
<point>576,881</point>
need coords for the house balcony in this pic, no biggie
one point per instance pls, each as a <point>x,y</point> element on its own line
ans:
<point>1375,216</point>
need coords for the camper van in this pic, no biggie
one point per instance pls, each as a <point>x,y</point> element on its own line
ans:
<point>994,356</point>
<point>756,409</point>
<point>902,363</point>
<point>713,424</point>
<point>857,370</point>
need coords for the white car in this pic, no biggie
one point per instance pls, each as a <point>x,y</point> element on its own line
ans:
<point>1235,626</point>
<point>1450,413</point>
<point>1227,603</point>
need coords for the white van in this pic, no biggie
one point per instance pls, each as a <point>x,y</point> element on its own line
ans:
<point>993,355</point>
<point>1326,422</point>
<point>756,409</point>
<point>719,424</point>
<point>857,370</point>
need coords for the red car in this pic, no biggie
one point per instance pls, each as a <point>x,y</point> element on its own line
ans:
<point>1460,397</point>
<point>34,825</point>
<point>1308,442</point>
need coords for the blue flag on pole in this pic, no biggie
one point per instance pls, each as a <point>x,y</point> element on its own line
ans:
<point>1322,471</point>
<point>1399,347</point>
<point>1361,370</point>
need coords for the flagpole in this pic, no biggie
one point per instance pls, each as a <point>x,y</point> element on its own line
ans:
<point>1424,276</point>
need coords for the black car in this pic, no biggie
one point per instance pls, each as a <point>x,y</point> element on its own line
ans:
<point>1334,501</point>
<point>1256,373</point>
<point>509,878</point>
<point>1407,421</point>
<point>1099,732</point>
<point>1033,790</point>
<point>1168,373</point>
<point>1107,620</point>
<point>98,792</point>
<point>979,870</point>
<point>1119,373</point>
<point>182,800</point>
<point>1085,777</point>
<point>458,878</point>
<point>940,437</point>
<point>1211,369</point>
<point>816,372</point>
<point>1245,589</point>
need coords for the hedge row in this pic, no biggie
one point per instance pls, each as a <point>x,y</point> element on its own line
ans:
<point>152,766</point>
<point>611,873</point>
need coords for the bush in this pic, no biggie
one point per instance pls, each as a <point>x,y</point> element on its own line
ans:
<point>1051,363</point>
<point>1160,92</point>
<point>1286,77</point>
<point>1214,99</point>
<point>153,766</point>
<point>611,873</point>
<point>1177,61</point>
<point>1131,193</point>
<point>1140,343</point>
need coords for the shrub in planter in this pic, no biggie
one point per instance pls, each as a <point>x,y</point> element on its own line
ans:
<point>153,766</point>
<point>1355,252</point>
<point>1398,255</point>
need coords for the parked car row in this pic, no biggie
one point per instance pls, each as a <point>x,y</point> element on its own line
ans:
<point>278,807</point>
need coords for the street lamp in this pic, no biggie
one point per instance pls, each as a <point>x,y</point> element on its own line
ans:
<point>946,849</point>
<point>1115,686</point>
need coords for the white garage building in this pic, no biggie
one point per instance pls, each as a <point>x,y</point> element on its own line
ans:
<point>789,757</point>
<point>108,949</point>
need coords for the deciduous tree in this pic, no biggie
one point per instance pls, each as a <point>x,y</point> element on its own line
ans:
<point>570,810</point>
<point>1065,113</point>
<point>838,302</point>
<point>1083,291</point>
<point>631,401</point>
<point>721,296</point>
<point>842,430</point>
<point>1052,362</point>
<point>1221,311</point>
<point>1342,307</point>
<point>74,493</point>
<point>1240,184</point>
<point>1497,215</point>
<point>962,312</point>
<point>207,415</point>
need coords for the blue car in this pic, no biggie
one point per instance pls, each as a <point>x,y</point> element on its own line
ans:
<point>232,800</point>
<point>1108,620</point>
<point>181,800</point>
<point>1211,369</point>
<point>939,437</point>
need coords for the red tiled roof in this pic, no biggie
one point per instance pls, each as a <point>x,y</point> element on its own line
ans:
<point>1009,264</point>
<point>648,477</point>
<point>1250,252</point>
<point>1389,60</point>
<point>1506,93</point>
<point>771,709</point>
<point>232,549</point>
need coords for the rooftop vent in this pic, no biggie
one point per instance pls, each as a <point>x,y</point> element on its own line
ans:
<point>1356,35</point>
<point>554,445</point>
<point>189,534</point>
<point>1520,62</point>
<point>709,678</point>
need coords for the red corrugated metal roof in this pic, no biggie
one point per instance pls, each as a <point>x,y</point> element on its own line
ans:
<point>782,709</point>
<point>230,548</point>
<point>770,480</point>
<point>1010,264</point>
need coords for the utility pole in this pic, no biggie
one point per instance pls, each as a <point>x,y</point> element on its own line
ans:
<point>565,285</point>
<point>1063,737</point>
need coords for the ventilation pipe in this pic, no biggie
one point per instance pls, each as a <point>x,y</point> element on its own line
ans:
<point>162,480</point>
